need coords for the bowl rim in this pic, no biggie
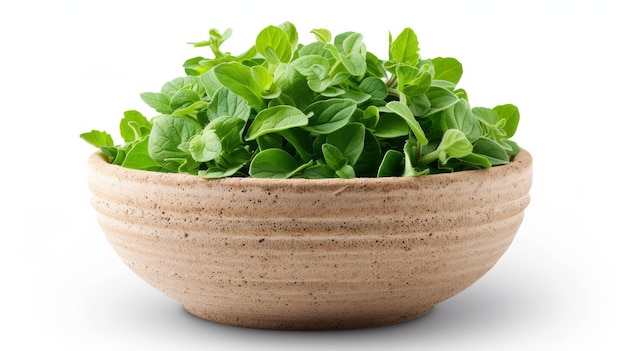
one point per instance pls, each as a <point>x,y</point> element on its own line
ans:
<point>98,164</point>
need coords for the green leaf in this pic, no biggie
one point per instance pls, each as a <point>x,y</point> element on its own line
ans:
<point>375,67</point>
<point>248,82</point>
<point>461,117</point>
<point>270,141</point>
<point>116,155</point>
<point>175,85</point>
<point>293,85</point>
<point>306,65</point>
<point>194,110</point>
<point>371,116</point>
<point>353,43</point>
<point>105,143</point>
<point>169,135</point>
<point>510,115</point>
<point>229,131</point>
<point>210,82</point>
<point>492,124</point>
<point>356,96</point>
<point>476,160</point>
<point>319,171</point>
<point>134,126</point>
<point>301,141</point>
<point>490,149</point>
<point>440,99</point>
<point>339,39</point>
<point>354,63</point>
<point>332,91</point>
<point>319,80</point>
<point>510,146</point>
<point>183,98</point>
<point>413,81</point>
<point>329,115</point>
<point>227,103</point>
<point>205,146</point>
<point>391,125</point>
<point>98,138</point>
<point>274,163</point>
<point>317,145</point>
<point>274,44</point>
<point>322,35</point>
<point>346,172</point>
<point>404,49</point>
<point>462,94</point>
<point>263,82</point>
<point>403,111</point>
<point>375,87</point>
<point>349,140</point>
<point>411,150</point>
<point>443,84</point>
<point>275,119</point>
<point>317,49</point>
<point>486,115</point>
<point>234,158</point>
<point>419,105</point>
<point>454,144</point>
<point>392,164</point>
<point>216,39</point>
<point>218,172</point>
<point>292,33</point>
<point>197,66</point>
<point>333,157</point>
<point>370,157</point>
<point>448,69</point>
<point>339,76</point>
<point>139,158</point>
<point>159,102</point>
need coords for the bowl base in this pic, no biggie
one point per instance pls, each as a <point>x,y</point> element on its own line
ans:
<point>306,322</point>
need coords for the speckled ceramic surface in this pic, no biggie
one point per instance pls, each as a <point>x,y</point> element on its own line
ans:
<point>310,254</point>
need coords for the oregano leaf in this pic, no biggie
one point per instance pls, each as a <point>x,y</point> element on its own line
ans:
<point>275,119</point>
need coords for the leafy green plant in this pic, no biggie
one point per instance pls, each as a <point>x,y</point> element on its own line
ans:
<point>326,109</point>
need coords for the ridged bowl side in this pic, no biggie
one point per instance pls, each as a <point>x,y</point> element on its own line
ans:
<point>310,254</point>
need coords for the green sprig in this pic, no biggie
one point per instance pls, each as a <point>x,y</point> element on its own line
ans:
<point>325,109</point>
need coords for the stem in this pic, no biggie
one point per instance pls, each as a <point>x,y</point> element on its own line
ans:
<point>332,70</point>
<point>392,81</point>
<point>418,153</point>
<point>393,92</point>
<point>430,157</point>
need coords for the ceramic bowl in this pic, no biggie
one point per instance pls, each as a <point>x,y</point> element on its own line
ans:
<point>310,254</point>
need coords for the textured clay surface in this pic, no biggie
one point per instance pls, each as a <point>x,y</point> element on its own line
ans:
<point>310,254</point>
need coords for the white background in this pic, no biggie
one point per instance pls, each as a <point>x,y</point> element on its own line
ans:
<point>68,67</point>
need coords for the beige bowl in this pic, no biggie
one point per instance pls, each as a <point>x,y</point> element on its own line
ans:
<point>310,254</point>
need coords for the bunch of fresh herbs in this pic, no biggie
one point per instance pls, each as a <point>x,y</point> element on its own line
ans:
<point>326,109</point>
